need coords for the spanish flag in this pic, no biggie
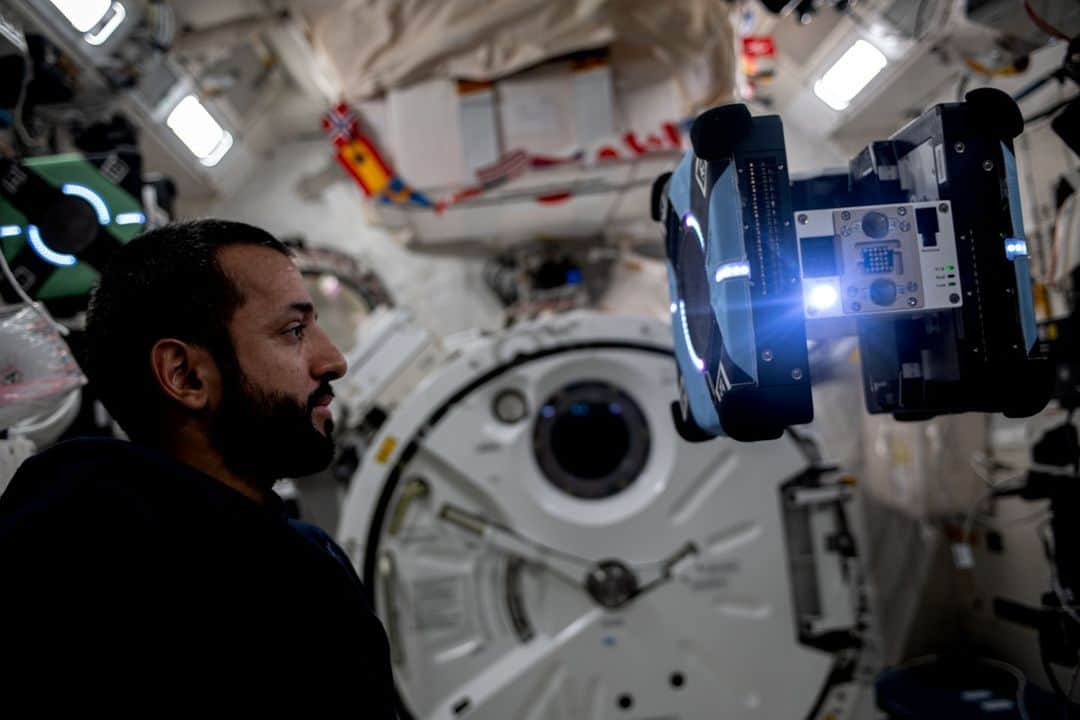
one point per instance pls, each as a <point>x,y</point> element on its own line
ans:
<point>357,154</point>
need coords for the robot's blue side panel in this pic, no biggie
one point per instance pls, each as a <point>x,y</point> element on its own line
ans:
<point>729,271</point>
<point>695,379</point>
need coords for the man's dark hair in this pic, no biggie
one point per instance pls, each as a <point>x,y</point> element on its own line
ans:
<point>165,283</point>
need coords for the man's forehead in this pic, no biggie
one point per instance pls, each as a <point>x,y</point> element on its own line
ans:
<point>263,275</point>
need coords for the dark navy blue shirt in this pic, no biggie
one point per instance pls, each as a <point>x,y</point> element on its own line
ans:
<point>122,568</point>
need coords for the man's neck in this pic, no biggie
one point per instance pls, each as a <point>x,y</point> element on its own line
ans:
<point>193,448</point>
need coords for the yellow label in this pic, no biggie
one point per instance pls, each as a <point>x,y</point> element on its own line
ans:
<point>386,450</point>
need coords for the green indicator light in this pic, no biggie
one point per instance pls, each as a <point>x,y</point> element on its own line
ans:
<point>950,267</point>
<point>952,284</point>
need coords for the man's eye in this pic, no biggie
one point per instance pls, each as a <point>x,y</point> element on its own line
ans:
<point>297,331</point>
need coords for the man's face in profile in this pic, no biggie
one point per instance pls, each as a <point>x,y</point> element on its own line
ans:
<point>274,418</point>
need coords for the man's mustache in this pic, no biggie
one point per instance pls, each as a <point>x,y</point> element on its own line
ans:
<point>324,391</point>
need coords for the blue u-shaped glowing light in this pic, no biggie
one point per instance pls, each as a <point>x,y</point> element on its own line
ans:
<point>130,218</point>
<point>95,200</point>
<point>694,358</point>
<point>691,222</point>
<point>33,236</point>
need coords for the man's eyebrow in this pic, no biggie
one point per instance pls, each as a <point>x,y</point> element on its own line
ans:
<point>304,308</point>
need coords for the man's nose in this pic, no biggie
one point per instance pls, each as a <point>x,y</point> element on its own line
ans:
<point>330,363</point>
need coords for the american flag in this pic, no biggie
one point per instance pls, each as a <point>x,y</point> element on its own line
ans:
<point>341,123</point>
<point>507,167</point>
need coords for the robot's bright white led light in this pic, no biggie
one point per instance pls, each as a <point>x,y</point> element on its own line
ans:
<point>106,31</point>
<point>731,270</point>
<point>130,218</point>
<point>698,362</point>
<point>1015,248</point>
<point>33,235</point>
<point>12,231</point>
<point>82,14</point>
<point>850,74</point>
<point>822,297</point>
<point>199,131</point>
<point>674,308</point>
<point>692,223</point>
<point>95,200</point>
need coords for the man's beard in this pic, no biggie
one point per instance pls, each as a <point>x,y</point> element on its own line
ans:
<point>266,436</point>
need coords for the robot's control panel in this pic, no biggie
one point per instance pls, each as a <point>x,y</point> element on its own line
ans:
<point>878,259</point>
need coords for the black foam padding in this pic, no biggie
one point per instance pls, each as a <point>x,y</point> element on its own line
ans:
<point>749,414</point>
<point>686,427</point>
<point>716,132</point>
<point>658,198</point>
<point>1030,392</point>
<point>996,111</point>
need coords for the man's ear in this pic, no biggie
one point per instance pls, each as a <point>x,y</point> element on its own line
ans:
<point>185,372</point>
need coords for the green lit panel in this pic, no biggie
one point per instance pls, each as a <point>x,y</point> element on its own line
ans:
<point>123,211</point>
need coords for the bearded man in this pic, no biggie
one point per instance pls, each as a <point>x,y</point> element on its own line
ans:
<point>167,563</point>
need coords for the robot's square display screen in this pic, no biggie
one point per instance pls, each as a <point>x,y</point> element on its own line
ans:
<point>878,260</point>
<point>819,256</point>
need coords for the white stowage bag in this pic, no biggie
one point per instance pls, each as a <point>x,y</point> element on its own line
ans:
<point>37,369</point>
<point>372,46</point>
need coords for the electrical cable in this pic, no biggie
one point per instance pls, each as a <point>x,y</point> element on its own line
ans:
<point>36,307</point>
<point>1051,676</point>
<point>1034,85</point>
<point>1072,688</point>
<point>916,30</point>
<point>1023,520</point>
<point>994,486</point>
<point>17,112</point>
<point>1055,582</point>
<point>1050,110</point>
<point>1042,24</point>
<point>962,86</point>
<point>1021,683</point>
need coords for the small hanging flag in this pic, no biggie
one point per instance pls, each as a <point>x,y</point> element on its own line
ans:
<point>358,155</point>
<point>364,163</point>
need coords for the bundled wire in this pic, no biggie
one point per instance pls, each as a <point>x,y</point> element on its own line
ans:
<point>1042,24</point>
<point>36,307</point>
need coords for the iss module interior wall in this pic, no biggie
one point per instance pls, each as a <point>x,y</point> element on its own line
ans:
<point>540,543</point>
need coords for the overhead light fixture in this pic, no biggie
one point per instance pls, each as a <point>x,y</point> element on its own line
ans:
<point>199,131</point>
<point>104,30</point>
<point>83,14</point>
<point>847,77</point>
<point>96,19</point>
